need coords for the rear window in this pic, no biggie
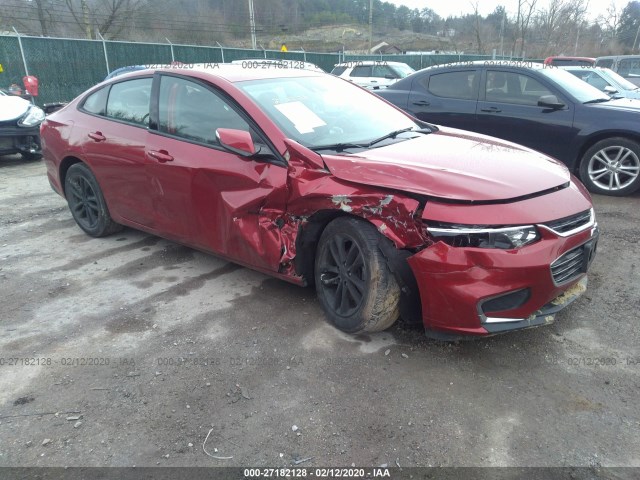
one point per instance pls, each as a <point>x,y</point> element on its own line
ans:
<point>608,63</point>
<point>338,70</point>
<point>458,84</point>
<point>129,101</point>
<point>96,103</point>
<point>361,71</point>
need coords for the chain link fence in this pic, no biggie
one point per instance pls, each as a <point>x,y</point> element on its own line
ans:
<point>67,67</point>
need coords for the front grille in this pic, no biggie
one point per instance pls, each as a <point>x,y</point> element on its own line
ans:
<point>568,224</point>
<point>569,265</point>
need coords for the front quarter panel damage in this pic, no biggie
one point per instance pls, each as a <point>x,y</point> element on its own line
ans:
<point>316,198</point>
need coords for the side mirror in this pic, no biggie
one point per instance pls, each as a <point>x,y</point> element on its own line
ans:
<point>236,141</point>
<point>610,90</point>
<point>550,101</point>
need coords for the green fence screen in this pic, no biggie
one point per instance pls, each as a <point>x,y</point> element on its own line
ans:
<point>67,67</point>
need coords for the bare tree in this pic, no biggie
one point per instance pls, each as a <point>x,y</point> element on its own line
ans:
<point>107,17</point>
<point>477,27</point>
<point>526,9</point>
<point>558,26</point>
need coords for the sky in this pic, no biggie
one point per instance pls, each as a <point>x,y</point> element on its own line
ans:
<point>456,7</point>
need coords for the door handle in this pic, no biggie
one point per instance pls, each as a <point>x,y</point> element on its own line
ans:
<point>97,136</point>
<point>162,156</point>
<point>422,103</point>
<point>491,110</point>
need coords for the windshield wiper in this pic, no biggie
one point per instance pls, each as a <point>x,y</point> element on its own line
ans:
<point>338,147</point>
<point>598,100</point>
<point>393,134</point>
<point>343,146</point>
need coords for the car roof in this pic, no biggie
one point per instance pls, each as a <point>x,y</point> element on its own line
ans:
<point>614,57</point>
<point>514,64</point>
<point>366,63</point>
<point>228,71</point>
<point>563,57</point>
<point>583,67</point>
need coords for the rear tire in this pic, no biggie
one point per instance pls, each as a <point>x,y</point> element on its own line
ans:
<point>87,203</point>
<point>354,284</point>
<point>612,167</point>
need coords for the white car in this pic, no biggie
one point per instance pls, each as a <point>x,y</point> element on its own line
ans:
<point>276,64</point>
<point>19,126</point>
<point>606,80</point>
<point>372,74</point>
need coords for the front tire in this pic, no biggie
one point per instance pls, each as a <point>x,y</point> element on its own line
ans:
<point>87,203</point>
<point>354,284</point>
<point>612,167</point>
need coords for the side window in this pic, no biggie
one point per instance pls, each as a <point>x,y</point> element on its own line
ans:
<point>509,87</point>
<point>629,67</point>
<point>129,101</point>
<point>382,71</point>
<point>361,71</point>
<point>459,84</point>
<point>193,112</point>
<point>338,71</point>
<point>96,103</point>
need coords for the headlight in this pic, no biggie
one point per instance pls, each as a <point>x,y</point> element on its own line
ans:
<point>481,237</point>
<point>34,116</point>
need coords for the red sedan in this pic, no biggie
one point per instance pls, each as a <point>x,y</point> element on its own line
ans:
<point>309,178</point>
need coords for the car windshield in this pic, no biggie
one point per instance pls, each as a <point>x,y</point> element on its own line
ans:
<point>403,70</point>
<point>621,81</point>
<point>324,110</point>
<point>582,91</point>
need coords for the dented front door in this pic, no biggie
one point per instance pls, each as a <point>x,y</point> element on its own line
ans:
<point>203,195</point>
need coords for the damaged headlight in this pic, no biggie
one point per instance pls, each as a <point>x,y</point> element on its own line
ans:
<point>34,116</point>
<point>484,237</point>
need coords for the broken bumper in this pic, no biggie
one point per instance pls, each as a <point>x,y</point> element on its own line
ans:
<point>474,291</point>
<point>14,139</point>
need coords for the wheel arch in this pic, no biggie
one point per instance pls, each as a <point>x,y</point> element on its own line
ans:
<point>309,234</point>
<point>597,137</point>
<point>65,165</point>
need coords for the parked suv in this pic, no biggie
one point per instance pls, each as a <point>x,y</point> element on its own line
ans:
<point>627,66</point>
<point>372,74</point>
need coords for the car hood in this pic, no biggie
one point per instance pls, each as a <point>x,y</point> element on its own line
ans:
<point>453,164</point>
<point>12,108</point>
<point>629,104</point>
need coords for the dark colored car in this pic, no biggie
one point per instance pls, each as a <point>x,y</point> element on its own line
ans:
<point>544,108</point>
<point>19,127</point>
<point>311,179</point>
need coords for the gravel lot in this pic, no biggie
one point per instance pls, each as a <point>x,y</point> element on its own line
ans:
<point>130,350</point>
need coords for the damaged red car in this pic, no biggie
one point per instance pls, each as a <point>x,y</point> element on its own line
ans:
<point>316,181</point>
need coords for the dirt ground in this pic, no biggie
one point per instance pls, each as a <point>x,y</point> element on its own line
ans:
<point>130,350</point>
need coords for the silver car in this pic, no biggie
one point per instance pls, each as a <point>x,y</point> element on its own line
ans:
<point>606,80</point>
